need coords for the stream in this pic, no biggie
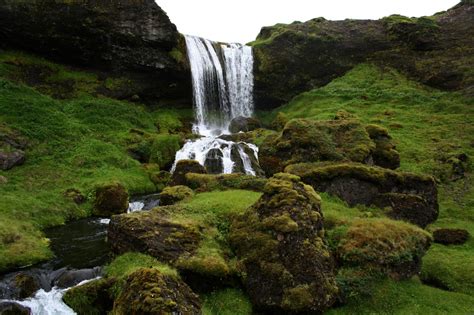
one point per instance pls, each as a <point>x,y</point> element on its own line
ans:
<point>80,250</point>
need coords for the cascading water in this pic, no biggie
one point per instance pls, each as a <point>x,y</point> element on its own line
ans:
<point>222,77</point>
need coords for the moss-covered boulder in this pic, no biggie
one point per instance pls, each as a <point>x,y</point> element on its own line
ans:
<point>406,196</point>
<point>110,199</point>
<point>280,242</point>
<point>392,247</point>
<point>95,297</point>
<point>450,236</point>
<point>154,234</point>
<point>244,124</point>
<point>184,167</point>
<point>385,153</point>
<point>26,284</point>
<point>305,140</point>
<point>208,182</point>
<point>173,194</point>
<point>11,308</point>
<point>148,291</point>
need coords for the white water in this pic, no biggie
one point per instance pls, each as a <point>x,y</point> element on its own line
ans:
<point>222,77</point>
<point>135,206</point>
<point>49,303</point>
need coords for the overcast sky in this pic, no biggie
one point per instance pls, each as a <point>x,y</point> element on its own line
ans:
<point>241,20</point>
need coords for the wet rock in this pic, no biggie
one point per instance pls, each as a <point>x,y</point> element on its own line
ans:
<point>385,153</point>
<point>214,162</point>
<point>450,236</point>
<point>8,160</point>
<point>70,278</point>
<point>310,141</point>
<point>110,199</point>
<point>135,39</point>
<point>184,167</point>
<point>26,284</point>
<point>244,124</point>
<point>280,243</point>
<point>152,233</point>
<point>410,196</point>
<point>392,247</point>
<point>10,308</point>
<point>91,298</point>
<point>147,291</point>
<point>173,194</point>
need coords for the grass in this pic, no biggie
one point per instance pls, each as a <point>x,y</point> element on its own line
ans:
<point>76,141</point>
<point>130,262</point>
<point>226,302</point>
<point>407,297</point>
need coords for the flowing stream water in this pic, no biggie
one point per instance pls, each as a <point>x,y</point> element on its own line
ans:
<point>222,77</point>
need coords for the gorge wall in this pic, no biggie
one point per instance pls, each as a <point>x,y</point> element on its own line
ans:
<point>437,51</point>
<point>128,38</point>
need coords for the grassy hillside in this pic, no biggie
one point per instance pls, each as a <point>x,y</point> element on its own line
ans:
<point>430,129</point>
<point>77,139</point>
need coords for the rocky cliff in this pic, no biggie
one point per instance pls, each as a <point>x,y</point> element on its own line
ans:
<point>437,51</point>
<point>129,38</point>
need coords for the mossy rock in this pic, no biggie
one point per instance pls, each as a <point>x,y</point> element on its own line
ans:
<point>26,284</point>
<point>312,141</point>
<point>153,233</point>
<point>148,291</point>
<point>450,236</point>
<point>392,247</point>
<point>110,199</point>
<point>207,182</point>
<point>184,167</point>
<point>280,243</point>
<point>92,298</point>
<point>280,121</point>
<point>173,194</point>
<point>385,153</point>
<point>409,196</point>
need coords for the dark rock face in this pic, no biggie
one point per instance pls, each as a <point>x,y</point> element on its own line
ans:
<point>10,308</point>
<point>184,167</point>
<point>244,124</point>
<point>110,199</point>
<point>334,140</point>
<point>450,236</point>
<point>214,160</point>
<point>411,197</point>
<point>290,59</point>
<point>280,241</point>
<point>153,234</point>
<point>133,38</point>
<point>147,291</point>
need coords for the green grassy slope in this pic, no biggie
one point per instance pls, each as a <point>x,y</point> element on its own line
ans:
<point>76,140</point>
<point>429,126</point>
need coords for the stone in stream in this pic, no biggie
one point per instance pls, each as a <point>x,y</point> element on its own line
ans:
<point>110,199</point>
<point>11,308</point>
<point>214,161</point>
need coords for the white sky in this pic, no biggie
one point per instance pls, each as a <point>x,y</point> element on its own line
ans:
<point>241,20</point>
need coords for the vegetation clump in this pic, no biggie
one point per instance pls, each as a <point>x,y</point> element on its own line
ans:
<point>92,298</point>
<point>450,236</point>
<point>184,167</point>
<point>208,182</point>
<point>385,153</point>
<point>284,225</point>
<point>173,194</point>
<point>393,247</point>
<point>110,199</point>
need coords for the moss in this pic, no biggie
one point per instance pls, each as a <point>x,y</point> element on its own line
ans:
<point>385,244</point>
<point>173,194</point>
<point>281,223</point>
<point>148,291</point>
<point>208,182</point>
<point>226,302</point>
<point>126,264</point>
<point>92,298</point>
<point>280,121</point>
<point>297,298</point>
<point>26,284</point>
<point>184,167</point>
<point>110,199</point>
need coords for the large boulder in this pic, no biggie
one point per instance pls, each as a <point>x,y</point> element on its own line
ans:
<point>152,233</point>
<point>147,291</point>
<point>391,247</point>
<point>297,57</point>
<point>244,124</point>
<point>173,194</point>
<point>303,140</point>
<point>131,38</point>
<point>280,243</point>
<point>184,167</point>
<point>408,196</point>
<point>110,199</point>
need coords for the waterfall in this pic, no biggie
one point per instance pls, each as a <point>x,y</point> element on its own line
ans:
<point>222,78</point>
